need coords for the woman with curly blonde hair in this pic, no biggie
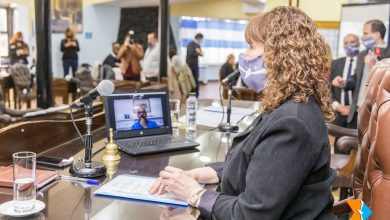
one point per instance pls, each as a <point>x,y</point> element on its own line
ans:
<point>279,167</point>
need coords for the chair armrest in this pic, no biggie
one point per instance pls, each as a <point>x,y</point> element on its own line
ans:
<point>345,143</point>
<point>19,113</point>
<point>5,119</point>
<point>341,207</point>
<point>340,131</point>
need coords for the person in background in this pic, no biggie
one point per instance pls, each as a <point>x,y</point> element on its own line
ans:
<point>69,48</point>
<point>228,67</point>
<point>112,59</point>
<point>329,58</point>
<point>344,67</point>
<point>130,54</point>
<point>18,49</point>
<point>278,168</point>
<point>192,59</point>
<point>151,62</point>
<point>373,40</point>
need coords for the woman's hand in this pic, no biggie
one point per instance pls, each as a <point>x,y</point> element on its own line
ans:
<point>175,181</point>
<point>205,175</point>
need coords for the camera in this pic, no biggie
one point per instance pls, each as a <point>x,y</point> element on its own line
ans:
<point>131,34</point>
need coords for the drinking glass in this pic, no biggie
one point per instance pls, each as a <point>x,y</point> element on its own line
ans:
<point>24,181</point>
<point>175,110</point>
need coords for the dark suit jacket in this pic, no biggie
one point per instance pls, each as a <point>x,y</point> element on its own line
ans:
<point>337,69</point>
<point>279,168</point>
<point>355,81</point>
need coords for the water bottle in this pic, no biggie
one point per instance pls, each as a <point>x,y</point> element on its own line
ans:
<point>192,106</point>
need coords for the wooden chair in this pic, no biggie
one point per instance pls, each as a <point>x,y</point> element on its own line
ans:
<point>23,84</point>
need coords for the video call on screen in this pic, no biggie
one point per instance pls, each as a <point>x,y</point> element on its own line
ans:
<point>138,113</point>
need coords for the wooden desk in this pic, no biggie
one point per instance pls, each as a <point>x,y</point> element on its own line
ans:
<point>66,200</point>
<point>129,84</point>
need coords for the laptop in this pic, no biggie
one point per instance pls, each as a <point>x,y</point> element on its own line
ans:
<point>142,123</point>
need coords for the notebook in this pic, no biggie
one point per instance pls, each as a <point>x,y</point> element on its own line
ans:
<point>43,177</point>
<point>141,122</point>
<point>136,187</point>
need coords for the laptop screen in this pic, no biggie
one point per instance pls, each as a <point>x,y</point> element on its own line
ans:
<point>138,113</point>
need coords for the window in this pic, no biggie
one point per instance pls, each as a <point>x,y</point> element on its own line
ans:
<point>6,29</point>
<point>4,38</point>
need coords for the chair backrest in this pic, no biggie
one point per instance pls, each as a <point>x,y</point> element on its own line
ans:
<point>106,72</point>
<point>21,76</point>
<point>364,122</point>
<point>86,80</point>
<point>377,178</point>
<point>368,130</point>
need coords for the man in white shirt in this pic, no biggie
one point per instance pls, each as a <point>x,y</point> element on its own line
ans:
<point>151,62</point>
<point>344,68</point>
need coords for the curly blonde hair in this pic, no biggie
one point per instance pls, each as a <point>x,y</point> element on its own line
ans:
<point>295,57</point>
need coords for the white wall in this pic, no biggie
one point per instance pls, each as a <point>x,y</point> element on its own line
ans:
<point>100,20</point>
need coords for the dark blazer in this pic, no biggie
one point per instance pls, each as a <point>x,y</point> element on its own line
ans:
<point>337,69</point>
<point>355,81</point>
<point>278,168</point>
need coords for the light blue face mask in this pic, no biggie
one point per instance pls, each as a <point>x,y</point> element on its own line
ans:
<point>369,42</point>
<point>253,72</point>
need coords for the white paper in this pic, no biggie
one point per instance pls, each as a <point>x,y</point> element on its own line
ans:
<point>136,187</point>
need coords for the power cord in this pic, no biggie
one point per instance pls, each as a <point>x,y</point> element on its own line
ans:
<point>223,110</point>
<point>74,124</point>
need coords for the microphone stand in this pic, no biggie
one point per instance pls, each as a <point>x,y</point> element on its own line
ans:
<point>227,127</point>
<point>88,168</point>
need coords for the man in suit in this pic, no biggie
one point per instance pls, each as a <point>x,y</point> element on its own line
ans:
<point>373,39</point>
<point>344,67</point>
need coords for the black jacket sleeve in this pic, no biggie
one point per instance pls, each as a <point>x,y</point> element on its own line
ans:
<point>62,45</point>
<point>278,168</point>
<point>77,45</point>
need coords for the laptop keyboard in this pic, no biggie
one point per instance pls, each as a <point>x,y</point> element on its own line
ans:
<point>135,143</point>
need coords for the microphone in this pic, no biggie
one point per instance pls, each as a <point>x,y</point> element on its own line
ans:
<point>231,76</point>
<point>105,87</point>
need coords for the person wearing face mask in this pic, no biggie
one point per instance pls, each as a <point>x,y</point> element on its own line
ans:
<point>279,167</point>
<point>18,49</point>
<point>373,40</point>
<point>192,59</point>
<point>151,62</point>
<point>344,68</point>
<point>70,48</point>
<point>112,59</point>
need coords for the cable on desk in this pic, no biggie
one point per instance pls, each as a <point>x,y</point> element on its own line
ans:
<point>223,110</point>
<point>74,124</point>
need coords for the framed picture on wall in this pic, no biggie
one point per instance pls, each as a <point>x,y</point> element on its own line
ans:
<point>66,13</point>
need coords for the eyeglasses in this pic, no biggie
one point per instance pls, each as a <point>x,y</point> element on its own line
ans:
<point>143,112</point>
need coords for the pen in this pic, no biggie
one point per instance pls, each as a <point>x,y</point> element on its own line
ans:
<point>76,179</point>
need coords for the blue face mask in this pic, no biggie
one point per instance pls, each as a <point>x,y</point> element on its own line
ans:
<point>369,42</point>
<point>253,72</point>
<point>351,50</point>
